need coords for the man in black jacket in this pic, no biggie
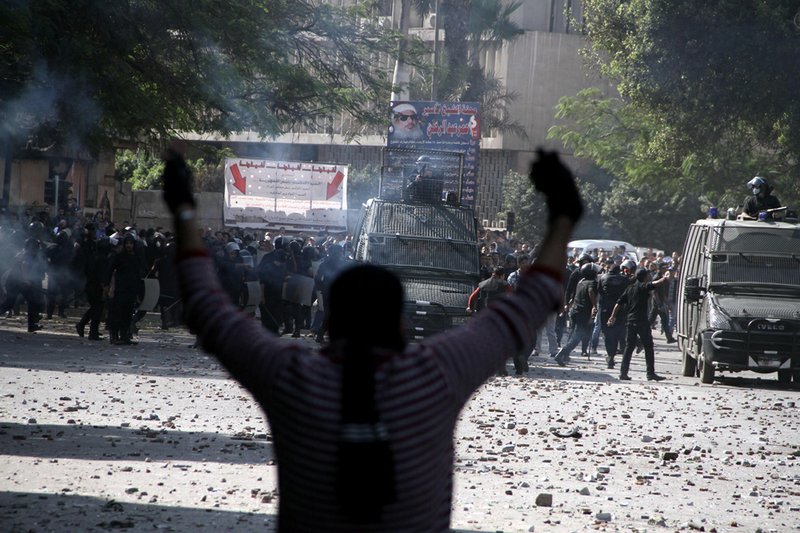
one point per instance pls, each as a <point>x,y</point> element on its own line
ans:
<point>127,270</point>
<point>582,310</point>
<point>636,300</point>
<point>96,266</point>
<point>610,287</point>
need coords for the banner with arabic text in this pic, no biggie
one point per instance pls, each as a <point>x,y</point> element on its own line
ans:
<point>266,193</point>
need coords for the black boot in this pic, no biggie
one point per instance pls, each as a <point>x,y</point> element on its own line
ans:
<point>94,332</point>
<point>520,364</point>
<point>80,327</point>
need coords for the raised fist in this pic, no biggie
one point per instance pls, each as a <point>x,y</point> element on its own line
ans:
<point>554,180</point>
<point>177,181</point>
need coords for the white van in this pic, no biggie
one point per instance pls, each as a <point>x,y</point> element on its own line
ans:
<point>589,246</point>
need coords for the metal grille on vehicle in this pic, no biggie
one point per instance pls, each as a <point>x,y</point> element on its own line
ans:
<point>753,342</point>
<point>451,294</point>
<point>728,268</point>
<point>424,253</point>
<point>423,220</point>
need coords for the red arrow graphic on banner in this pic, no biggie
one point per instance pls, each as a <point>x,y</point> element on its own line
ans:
<point>239,181</point>
<point>333,186</point>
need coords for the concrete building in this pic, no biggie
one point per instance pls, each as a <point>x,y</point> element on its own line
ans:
<point>540,66</point>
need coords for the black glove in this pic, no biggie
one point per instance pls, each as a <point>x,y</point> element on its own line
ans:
<point>177,180</point>
<point>555,182</point>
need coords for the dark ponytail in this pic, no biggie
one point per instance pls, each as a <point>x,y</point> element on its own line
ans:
<point>365,309</point>
<point>365,480</point>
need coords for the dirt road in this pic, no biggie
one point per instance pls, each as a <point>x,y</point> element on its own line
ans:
<point>155,436</point>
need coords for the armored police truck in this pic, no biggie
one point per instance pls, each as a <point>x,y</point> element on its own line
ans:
<point>738,297</point>
<point>429,241</point>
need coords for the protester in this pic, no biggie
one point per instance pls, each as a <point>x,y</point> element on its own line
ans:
<point>636,301</point>
<point>363,429</point>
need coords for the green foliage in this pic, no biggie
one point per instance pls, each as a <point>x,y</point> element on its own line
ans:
<point>143,169</point>
<point>707,99</point>
<point>87,72</point>
<point>713,85</point>
<point>649,215</point>
<point>139,168</point>
<point>530,211</point>
<point>530,208</point>
<point>362,184</point>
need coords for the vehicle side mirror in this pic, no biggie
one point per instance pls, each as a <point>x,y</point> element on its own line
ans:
<point>692,291</point>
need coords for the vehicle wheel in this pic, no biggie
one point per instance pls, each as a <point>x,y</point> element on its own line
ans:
<point>706,370</point>
<point>784,376</point>
<point>689,363</point>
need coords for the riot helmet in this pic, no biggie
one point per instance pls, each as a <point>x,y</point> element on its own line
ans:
<point>585,258</point>
<point>628,265</point>
<point>35,228</point>
<point>246,258</point>
<point>758,184</point>
<point>422,163</point>
<point>590,271</point>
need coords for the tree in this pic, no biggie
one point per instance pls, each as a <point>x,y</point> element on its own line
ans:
<point>143,168</point>
<point>530,210</point>
<point>650,189</point>
<point>716,83</point>
<point>362,184</point>
<point>88,72</point>
<point>470,26</point>
<point>649,215</point>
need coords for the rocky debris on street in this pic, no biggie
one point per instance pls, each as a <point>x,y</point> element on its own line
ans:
<point>155,436</point>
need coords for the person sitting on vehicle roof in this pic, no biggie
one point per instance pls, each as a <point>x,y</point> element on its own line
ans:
<point>762,199</point>
<point>427,185</point>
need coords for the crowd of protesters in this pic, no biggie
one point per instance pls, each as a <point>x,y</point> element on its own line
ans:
<point>606,274</point>
<point>69,260</point>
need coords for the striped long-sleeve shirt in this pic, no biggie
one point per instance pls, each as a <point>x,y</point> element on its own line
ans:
<point>419,394</point>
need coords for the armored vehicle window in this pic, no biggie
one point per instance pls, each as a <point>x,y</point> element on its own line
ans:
<point>755,269</point>
<point>757,240</point>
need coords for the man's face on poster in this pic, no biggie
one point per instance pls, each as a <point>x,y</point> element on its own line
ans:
<point>405,123</point>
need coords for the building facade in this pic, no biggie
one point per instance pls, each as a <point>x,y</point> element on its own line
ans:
<point>539,67</point>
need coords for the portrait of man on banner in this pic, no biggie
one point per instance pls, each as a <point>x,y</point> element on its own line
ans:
<point>405,123</point>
